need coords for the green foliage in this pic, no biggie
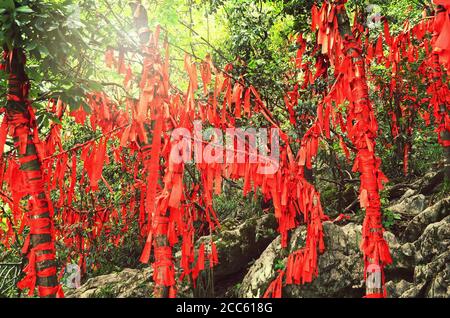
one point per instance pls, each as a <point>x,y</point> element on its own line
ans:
<point>258,41</point>
<point>390,218</point>
<point>279,264</point>
<point>231,203</point>
<point>4,224</point>
<point>113,257</point>
<point>445,188</point>
<point>105,291</point>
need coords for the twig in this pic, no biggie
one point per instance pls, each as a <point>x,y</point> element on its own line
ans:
<point>204,40</point>
<point>347,209</point>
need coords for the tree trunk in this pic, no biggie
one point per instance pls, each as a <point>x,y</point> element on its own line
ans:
<point>41,253</point>
<point>163,251</point>
<point>375,249</point>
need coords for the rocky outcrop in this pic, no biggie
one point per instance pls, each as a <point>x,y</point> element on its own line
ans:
<point>431,269</point>
<point>261,273</point>
<point>433,260</point>
<point>237,244</point>
<point>339,274</point>
<point>410,204</point>
<point>250,257</point>
<point>430,215</point>
<point>242,244</point>
<point>134,283</point>
<point>421,261</point>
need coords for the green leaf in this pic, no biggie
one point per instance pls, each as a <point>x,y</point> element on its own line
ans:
<point>7,4</point>
<point>24,9</point>
<point>4,224</point>
<point>52,117</point>
<point>30,46</point>
<point>96,86</point>
<point>86,107</point>
<point>43,49</point>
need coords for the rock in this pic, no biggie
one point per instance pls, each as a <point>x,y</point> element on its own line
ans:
<point>402,255</point>
<point>435,276</point>
<point>340,267</point>
<point>237,246</point>
<point>410,204</point>
<point>430,181</point>
<point>434,241</point>
<point>240,245</point>
<point>261,273</point>
<point>414,292</point>
<point>420,268</point>
<point>129,283</point>
<point>250,253</point>
<point>395,290</point>
<point>433,259</point>
<point>430,215</point>
<point>430,265</point>
<point>409,193</point>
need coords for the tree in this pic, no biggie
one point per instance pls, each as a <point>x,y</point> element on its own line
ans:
<point>32,28</point>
